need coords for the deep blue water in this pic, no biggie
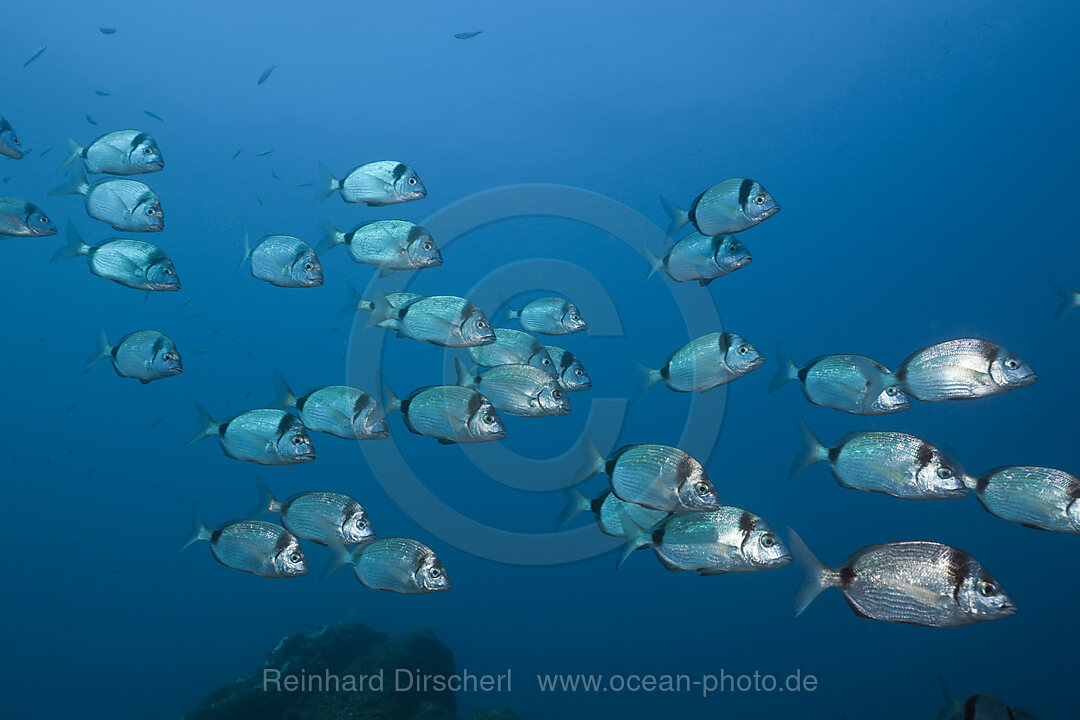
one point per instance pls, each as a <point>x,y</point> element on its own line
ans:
<point>922,154</point>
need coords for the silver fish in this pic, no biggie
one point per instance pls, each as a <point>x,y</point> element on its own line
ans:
<point>919,583</point>
<point>265,74</point>
<point>284,261</point>
<point>126,205</point>
<point>19,218</point>
<point>513,347</point>
<point>254,546</point>
<point>37,53</point>
<point>572,374</point>
<point>853,383</point>
<point>703,364</point>
<point>1036,497</point>
<point>710,543</point>
<point>518,389</point>
<point>609,511</point>
<point>388,305</point>
<point>399,565</point>
<point>9,141</point>
<point>549,316</point>
<point>728,207</point>
<point>122,152</point>
<point>321,517</point>
<point>387,244</point>
<point>659,477</point>
<point>1070,300</point>
<point>339,410</point>
<point>385,182</point>
<point>891,463</point>
<point>449,413</point>
<point>131,263</point>
<point>467,35</point>
<point>264,436</point>
<point>962,369</point>
<point>701,258</point>
<point>444,320</point>
<point>146,355</point>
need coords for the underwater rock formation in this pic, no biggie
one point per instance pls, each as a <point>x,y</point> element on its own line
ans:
<point>341,671</point>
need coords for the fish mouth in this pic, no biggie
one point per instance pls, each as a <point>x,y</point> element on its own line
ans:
<point>770,212</point>
<point>1025,380</point>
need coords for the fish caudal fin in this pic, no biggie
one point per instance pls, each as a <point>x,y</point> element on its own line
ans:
<point>332,237</point>
<point>267,502</point>
<point>1070,300</point>
<point>647,377</point>
<point>380,309</point>
<point>75,151</point>
<point>104,350</point>
<point>199,531</point>
<point>75,245</point>
<point>788,369</point>
<point>208,427</point>
<point>390,400</point>
<point>464,377</point>
<point>284,396</point>
<point>636,536</point>
<point>512,314</point>
<point>328,184</point>
<point>679,217</point>
<point>816,575</point>
<point>655,261</point>
<point>810,451</point>
<point>356,302</point>
<point>77,185</point>
<point>954,706</point>
<point>576,504</point>
<point>594,461</point>
<point>340,556</point>
<point>247,252</point>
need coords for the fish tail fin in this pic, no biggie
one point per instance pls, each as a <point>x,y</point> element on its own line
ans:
<point>208,427</point>
<point>636,536</point>
<point>954,706</point>
<point>332,237</point>
<point>75,150</point>
<point>380,308</point>
<point>75,245</point>
<point>594,461</point>
<point>679,217</point>
<point>267,502</point>
<point>284,396</point>
<point>104,350</point>
<point>655,261</point>
<point>577,503</point>
<point>810,451</point>
<point>247,252</point>
<point>390,398</point>
<point>199,530</point>
<point>816,575</point>
<point>328,184</point>
<point>647,377</point>
<point>464,377</point>
<point>356,302</point>
<point>77,185</point>
<point>512,314</point>
<point>1070,300</point>
<point>340,556</point>
<point>788,369</point>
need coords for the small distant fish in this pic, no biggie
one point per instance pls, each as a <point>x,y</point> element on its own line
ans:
<point>918,583</point>
<point>700,258</point>
<point>199,350</point>
<point>263,153</point>
<point>307,184</point>
<point>274,175</point>
<point>158,420</point>
<point>518,389</point>
<point>263,436</point>
<point>449,413</point>
<point>549,316</point>
<point>19,218</point>
<point>122,152</point>
<point>852,383</point>
<point>317,516</point>
<point>339,410</point>
<point>513,347</point>
<point>609,511</point>
<point>390,245</point>
<point>659,477</point>
<point>259,199</point>
<point>254,546</point>
<point>107,30</point>
<point>396,564</point>
<point>91,120</point>
<point>376,184</point>
<point>126,205</point>
<point>703,364</point>
<point>1036,497</point>
<point>9,141</point>
<point>71,407</point>
<point>444,320</point>
<point>102,93</point>
<point>131,263</point>
<point>237,153</point>
<point>962,369</point>
<point>468,35</point>
<point>154,115</point>
<point>46,151</point>
<point>571,372</point>
<point>710,543</point>
<point>35,56</point>
<point>146,355</point>
<point>891,463</point>
<point>284,261</point>
<point>266,74</point>
<point>728,207</point>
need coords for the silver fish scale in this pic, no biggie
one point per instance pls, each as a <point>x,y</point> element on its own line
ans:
<point>709,541</point>
<point>436,319</point>
<point>253,436</point>
<point>430,410</point>
<point>514,388</point>
<point>133,354</point>
<point>649,475</point>
<point>885,462</point>
<point>611,514</point>
<point>382,243</point>
<point>511,347</point>
<point>330,410</point>
<point>273,258</point>
<point>1035,496</point>
<point>306,515</point>
<point>250,545</point>
<point>544,315</point>
<point>390,564</point>
<point>842,381</point>
<point>955,368</point>
<point>115,259</point>
<point>699,365</point>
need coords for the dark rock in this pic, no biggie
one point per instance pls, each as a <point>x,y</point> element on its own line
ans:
<point>497,714</point>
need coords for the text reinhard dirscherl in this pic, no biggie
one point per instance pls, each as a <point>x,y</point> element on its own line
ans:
<point>466,681</point>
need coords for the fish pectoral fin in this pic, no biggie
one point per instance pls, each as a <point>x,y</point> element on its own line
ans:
<point>254,439</point>
<point>924,595</point>
<point>446,441</point>
<point>389,324</point>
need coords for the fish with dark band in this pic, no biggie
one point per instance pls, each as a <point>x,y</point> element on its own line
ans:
<point>444,320</point>
<point>609,511</point>
<point>338,410</point>
<point>572,373</point>
<point>265,74</point>
<point>19,218</point>
<point>449,413</point>
<point>513,347</point>
<point>385,182</point>
<point>728,207</point>
<point>284,261</point>
<point>518,389</point>
<point>263,436</point>
<point>852,383</point>
<point>254,546</point>
<point>398,565</point>
<point>9,141</point>
<point>131,263</point>
<point>321,517</point>
<point>703,364</point>
<point>122,152</point>
<point>961,370</point>
<point>390,245</point>
<point>1036,497</point>
<point>146,355</point>
<point>918,583</point>
<point>700,258</point>
<point>126,205</point>
<point>549,316</point>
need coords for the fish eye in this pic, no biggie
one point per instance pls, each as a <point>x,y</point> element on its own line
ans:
<point>557,394</point>
<point>168,271</point>
<point>361,524</point>
<point>944,472</point>
<point>1012,363</point>
<point>148,151</point>
<point>767,540</point>
<point>986,588</point>
<point>545,361</point>
<point>760,199</point>
<point>44,220</point>
<point>309,267</point>
<point>429,246</point>
<point>297,440</point>
<point>294,557</point>
<point>413,181</point>
<point>579,372</point>
<point>435,573</point>
<point>489,418</point>
<point>892,391</point>
<point>701,487</point>
<point>743,350</point>
<point>481,324</point>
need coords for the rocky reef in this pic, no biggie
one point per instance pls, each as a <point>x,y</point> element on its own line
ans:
<point>345,672</point>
